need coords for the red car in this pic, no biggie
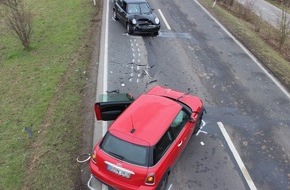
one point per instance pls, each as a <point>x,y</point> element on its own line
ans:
<point>148,135</point>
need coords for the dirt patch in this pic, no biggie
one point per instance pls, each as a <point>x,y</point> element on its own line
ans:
<point>36,148</point>
<point>89,93</point>
<point>91,49</point>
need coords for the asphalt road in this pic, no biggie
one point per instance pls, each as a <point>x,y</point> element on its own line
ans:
<point>195,52</point>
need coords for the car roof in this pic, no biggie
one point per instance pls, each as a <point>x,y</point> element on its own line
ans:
<point>145,120</point>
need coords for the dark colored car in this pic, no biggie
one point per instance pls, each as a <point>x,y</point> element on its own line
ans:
<point>137,16</point>
<point>147,137</point>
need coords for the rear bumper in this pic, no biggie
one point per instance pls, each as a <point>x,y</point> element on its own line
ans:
<point>113,182</point>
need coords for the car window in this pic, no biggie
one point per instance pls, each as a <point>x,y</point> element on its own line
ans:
<point>178,123</point>
<point>138,8</point>
<point>122,4</point>
<point>119,2</point>
<point>145,8</point>
<point>162,146</point>
<point>133,9</point>
<point>170,135</point>
<point>124,150</point>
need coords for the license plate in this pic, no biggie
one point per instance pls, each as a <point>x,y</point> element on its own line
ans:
<point>118,171</point>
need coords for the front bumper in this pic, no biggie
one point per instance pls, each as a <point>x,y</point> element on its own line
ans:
<point>142,28</point>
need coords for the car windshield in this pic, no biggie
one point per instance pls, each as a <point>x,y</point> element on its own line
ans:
<point>124,150</point>
<point>139,8</point>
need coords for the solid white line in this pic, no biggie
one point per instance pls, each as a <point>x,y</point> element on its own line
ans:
<point>102,85</point>
<point>165,21</point>
<point>283,89</point>
<point>237,157</point>
<point>105,77</point>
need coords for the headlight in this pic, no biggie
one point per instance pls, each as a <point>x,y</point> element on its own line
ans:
<point>156,20</point>
<point>134,21</point>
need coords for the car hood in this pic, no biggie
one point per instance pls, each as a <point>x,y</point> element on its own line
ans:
<point>150,17</point>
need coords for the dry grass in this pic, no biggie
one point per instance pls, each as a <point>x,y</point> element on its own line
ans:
<point>41,90</point>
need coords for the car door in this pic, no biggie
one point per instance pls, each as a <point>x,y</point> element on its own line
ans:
<point>121,10</point>
<point>111,106</point>
<point>181,129</point>
<point>173,142</point>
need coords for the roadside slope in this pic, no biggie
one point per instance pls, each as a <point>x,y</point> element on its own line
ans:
<point>42,97</point>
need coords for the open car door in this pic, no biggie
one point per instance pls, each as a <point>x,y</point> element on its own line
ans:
<point>110,106</point>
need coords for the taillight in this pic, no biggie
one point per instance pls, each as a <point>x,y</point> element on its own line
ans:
<point>98,111</point>
<point>94,157</point>
<point>150,179</point>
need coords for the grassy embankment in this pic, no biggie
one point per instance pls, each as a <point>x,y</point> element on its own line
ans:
<point>258,36</point>
<point>41,90</point>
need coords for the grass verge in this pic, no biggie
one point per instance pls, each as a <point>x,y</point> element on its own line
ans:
<point>259,37</point>
<point>41,97</point>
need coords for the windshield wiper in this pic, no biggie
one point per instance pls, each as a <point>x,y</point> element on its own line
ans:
<point>116,155</point>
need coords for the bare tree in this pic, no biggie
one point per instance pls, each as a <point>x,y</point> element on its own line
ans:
<point>18,20</point>
<point>247,11</point>
<point>226,2</point>
<point>283,25</point>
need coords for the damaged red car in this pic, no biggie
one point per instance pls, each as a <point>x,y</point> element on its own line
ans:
<point>145,139</point>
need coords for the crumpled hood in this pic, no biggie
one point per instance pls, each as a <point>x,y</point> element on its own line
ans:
<point>150,17</point>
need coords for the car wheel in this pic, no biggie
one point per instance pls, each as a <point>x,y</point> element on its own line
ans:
<point>129,28</point>
<point>163,183</point>
<point>155,33</point>
<point>115,15</point>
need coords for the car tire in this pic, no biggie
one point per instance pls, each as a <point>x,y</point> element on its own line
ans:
<point>155,33</point>
<point>129,28</point>
<point>163,183</point>
<point>115,15</point>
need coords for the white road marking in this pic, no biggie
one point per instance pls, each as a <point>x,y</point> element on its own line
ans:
<point>103,67</point>
<point>105,78</point>
<point>103,70</point>
<point>201,127</point>
<point>237,157</point>
<point>164,20</point>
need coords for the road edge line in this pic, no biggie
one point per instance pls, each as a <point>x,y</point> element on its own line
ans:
<point>276,81</point>
<point>102,73</point>
<point>237,157</point>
